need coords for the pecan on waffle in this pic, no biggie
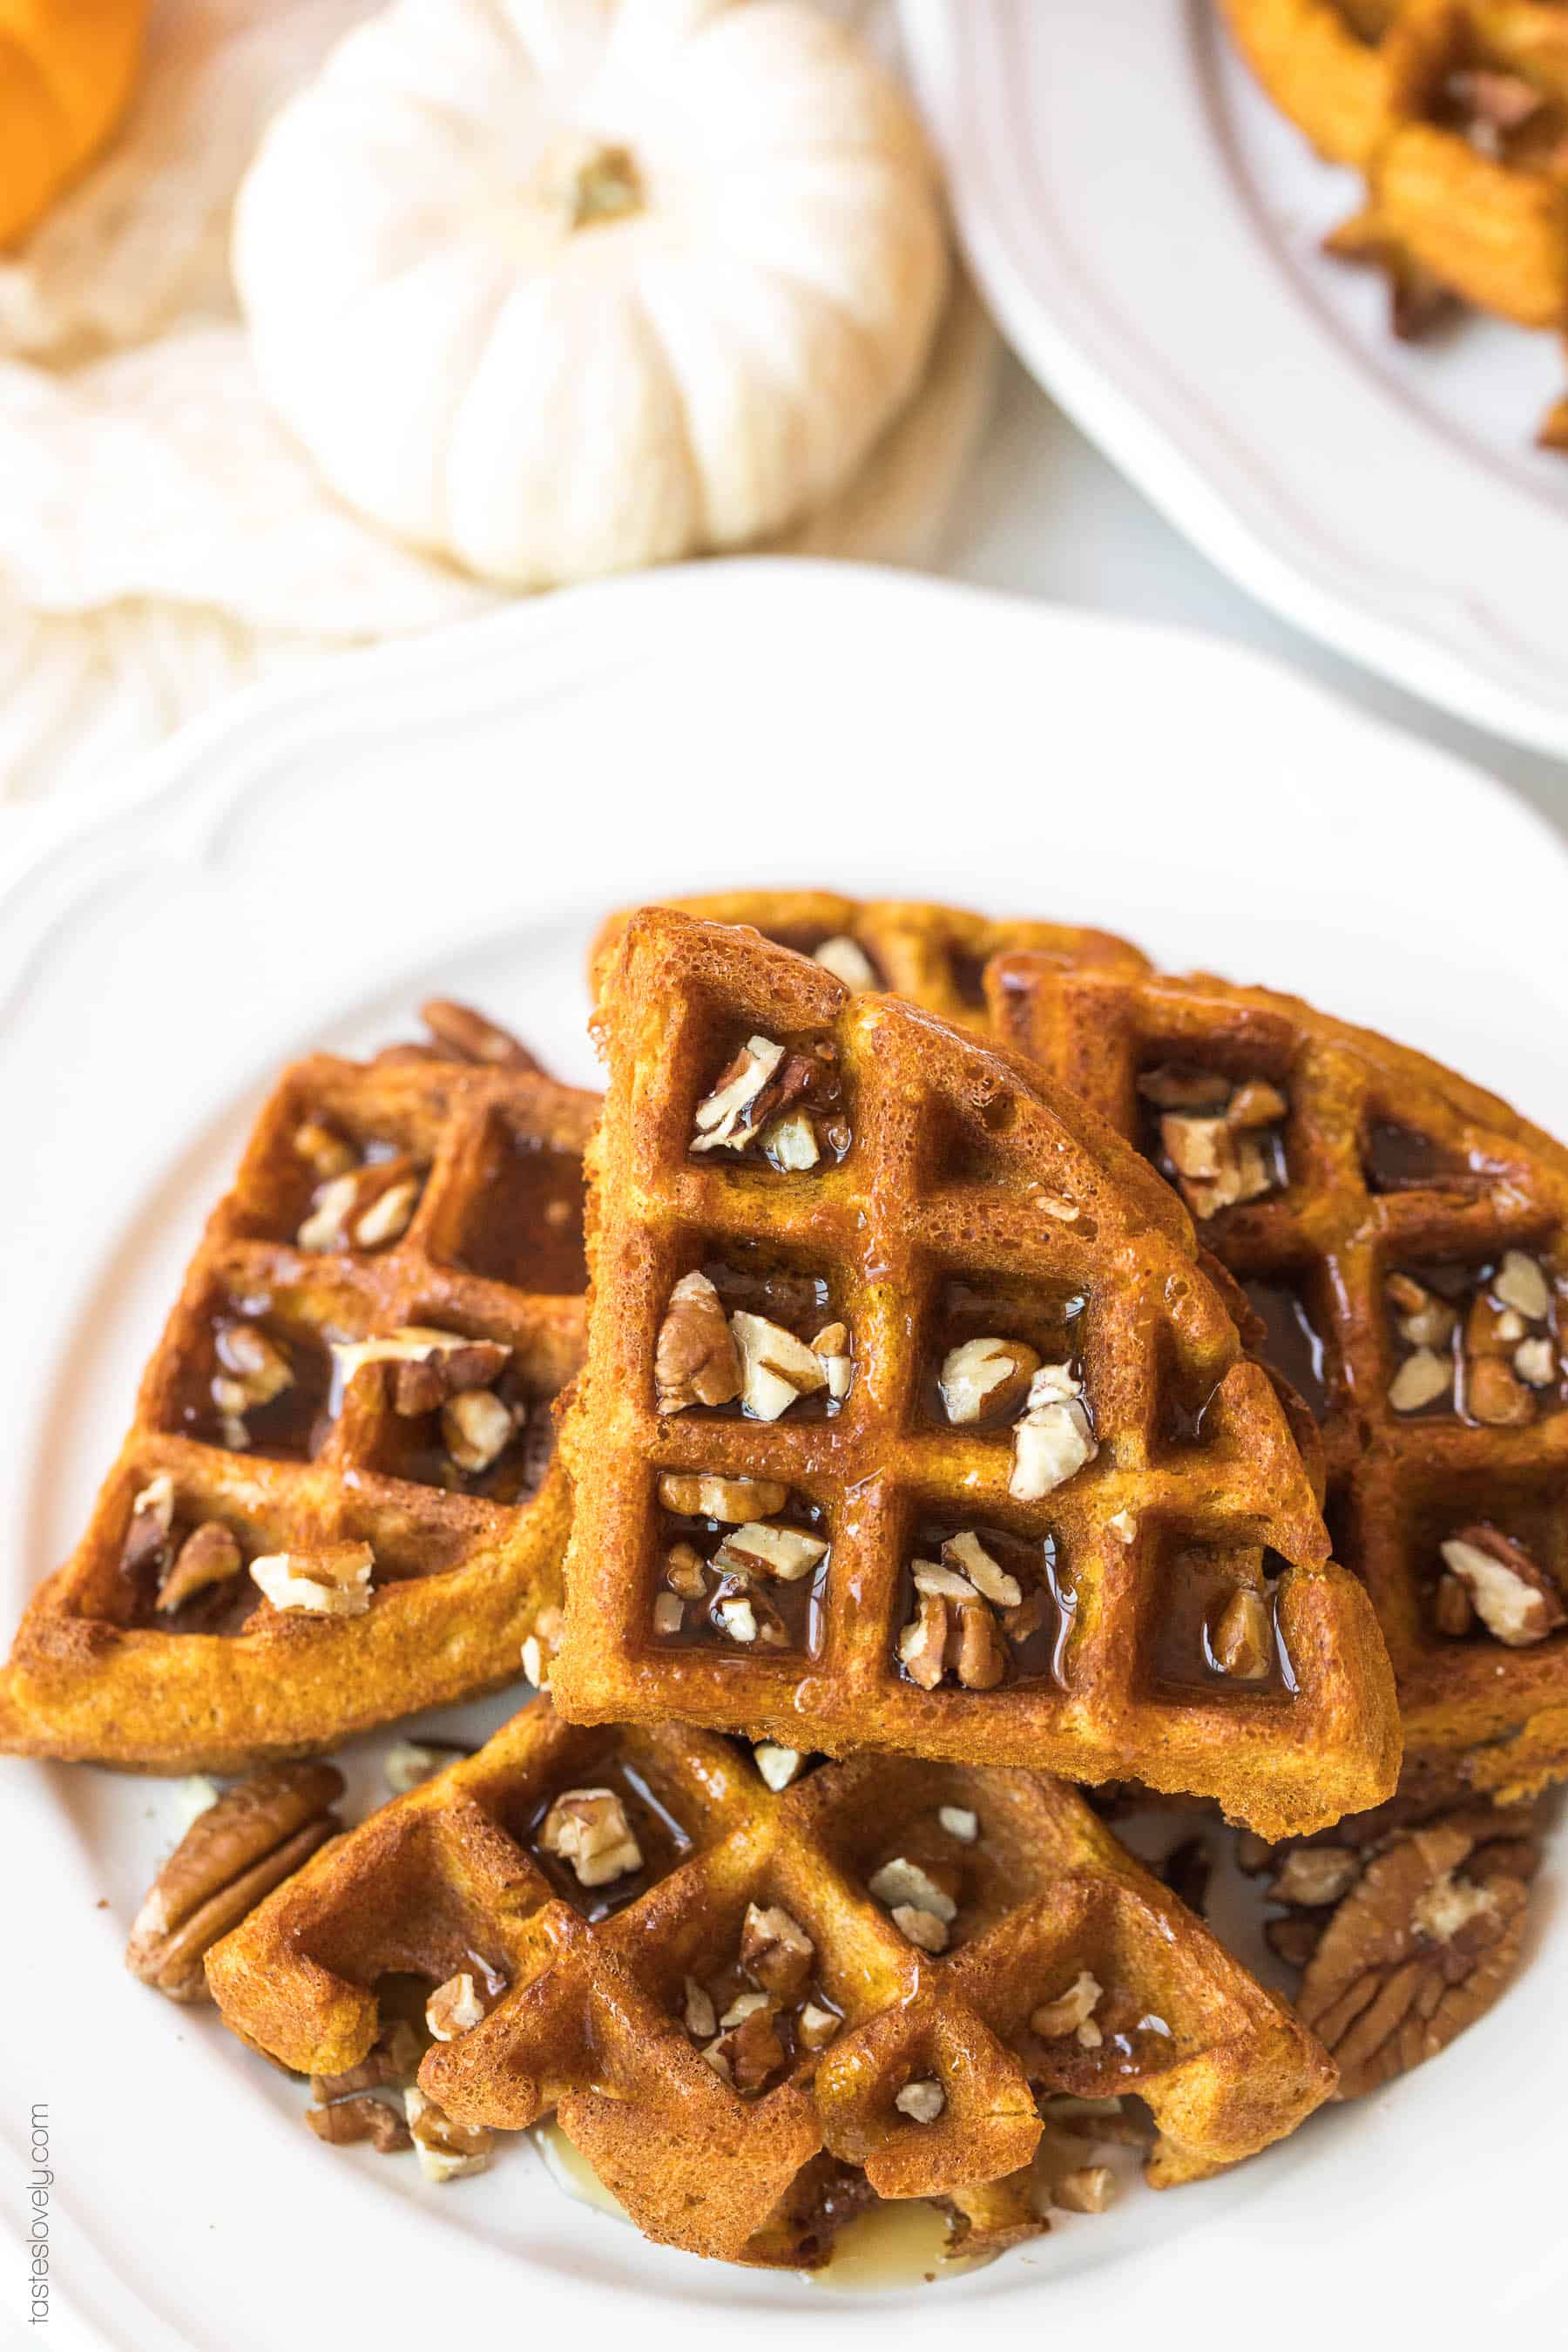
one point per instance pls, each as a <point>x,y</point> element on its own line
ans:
<point>711,1981</point>
<point>913,1422</point>
<point>936,956</point>
<point>1455,112</point>
<point>337,1501</point>
<point>1399,1235</point>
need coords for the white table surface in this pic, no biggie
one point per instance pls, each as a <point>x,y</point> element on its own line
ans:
<point>1045,515</point>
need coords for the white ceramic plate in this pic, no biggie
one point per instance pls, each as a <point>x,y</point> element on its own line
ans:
<point>455,816</point>
<point>1148,227</point>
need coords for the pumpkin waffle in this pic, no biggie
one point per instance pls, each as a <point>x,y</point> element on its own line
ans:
<point>936,956</point>
<point>713,1980</point>
<point>338,1501</point>
<point>1399,1235</point>
<point>1455,112</point>
<point>912,1421</point>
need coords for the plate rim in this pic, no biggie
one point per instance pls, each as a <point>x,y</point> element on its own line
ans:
<point>1048,323</point>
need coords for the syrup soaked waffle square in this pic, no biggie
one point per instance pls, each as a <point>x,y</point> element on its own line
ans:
<point>712,1982</point>
<point>1401,1248</point>
<point>936,956</point>
<point>338,1501</point>
<point>912,1421</point>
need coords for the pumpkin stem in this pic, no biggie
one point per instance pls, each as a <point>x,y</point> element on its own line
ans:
<point>600,184</point>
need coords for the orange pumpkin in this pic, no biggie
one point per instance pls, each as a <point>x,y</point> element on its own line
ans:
<point>66,71</point>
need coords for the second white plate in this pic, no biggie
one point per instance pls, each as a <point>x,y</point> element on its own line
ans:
<point>1148,229</point>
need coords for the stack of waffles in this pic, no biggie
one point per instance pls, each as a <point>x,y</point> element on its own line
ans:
<point>961,1393</point>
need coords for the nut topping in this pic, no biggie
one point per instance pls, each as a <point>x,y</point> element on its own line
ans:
<point>346,2122</point>
<point>454,2007</point>
<point>683,1572</point>
<point>959,1823</point>
<point>831,1349</point>
<point>696,1361</point>
<point>1422,1946</point>
<point>1055,1438</point>
<point>785,1554</point>
<point>323,1150</point>
<point>1517,1602</point>
<point>446,2150</point>
<point>151,1523</point>
<point>1089,2188</point>
<point>237,1850</point>
<point>332,1581</point>
<point>1520,1283</point>
<point>588,1829</point>
<point>1068,2012</point>
<point>705,1494</point>
<point>393,2058</point>
<point>208,1556</point>
<point>1243,1641</point>
<point>476,1429</point>
<point>778,1766</point>
<point>922,2102</point>
<point>775,1951</point>
<point>428,1366</point>
<point>467,1036</point>
<point>790,1143</point>
<point>725,1119</point>
<point>985,1376</point>
<point>847,962</point>
<point>969,1556</point>
<point>365,1209</point>
<point>1420,1380</point>
<point>776,1368</point>
<point>668,1613</point>
<point>920,1908</point>
<point>699,2017</point>
<point>1211,1133</point>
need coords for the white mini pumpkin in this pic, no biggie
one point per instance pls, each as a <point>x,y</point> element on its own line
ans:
<point>557,288</point>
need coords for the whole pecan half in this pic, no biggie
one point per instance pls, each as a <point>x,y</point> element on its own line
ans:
<point>255,1837</point>
<point>1421,1945</point>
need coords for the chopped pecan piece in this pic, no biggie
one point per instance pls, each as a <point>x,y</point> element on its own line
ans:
<point>348,2121</point>
<point>476,1429</point>
<point>1494,1397</point>
<point>1243,1642</point>
<point>446,2150</point>
<point>333,1580</point>
<point>455,2008</point>
<point>1087,2189</point>
<point>695,1361</point>
<point>393,2058</point>
<point>1516,1601</point>
<point>985,1376</point>
<point>729,1116</point>
<point>784,1554</point>
<point>255,1837</point>
<point>1054,1438</point>
<point>921,2101</point>
<point>778,1766</point>
<point>208,1556</point>
<point>708,1495</point>
<point>589,1830</point>
<point>468,1036</point>
<point>775,1951</point>
<point>776,1368</point>
<point>846,960</point>
<point>750,2050</point>
<point>1422,1946</point>
<point>1071,2011</point>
